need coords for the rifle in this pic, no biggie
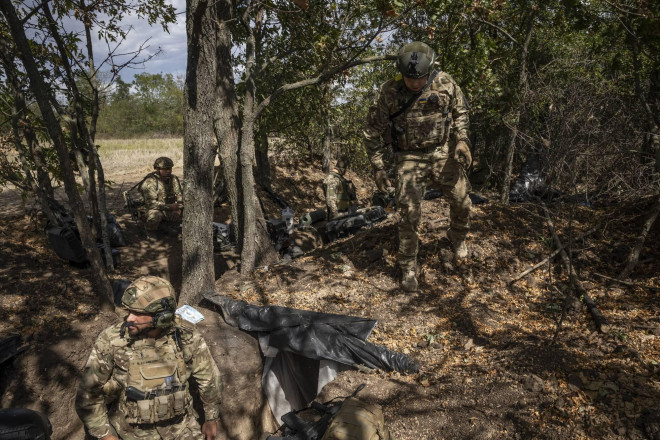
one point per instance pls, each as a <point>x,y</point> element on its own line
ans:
<point>135,395</point>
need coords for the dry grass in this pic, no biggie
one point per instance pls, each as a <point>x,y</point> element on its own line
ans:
<point>125,156</point>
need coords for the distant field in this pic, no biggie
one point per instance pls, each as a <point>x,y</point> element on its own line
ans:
<point>123,156</point>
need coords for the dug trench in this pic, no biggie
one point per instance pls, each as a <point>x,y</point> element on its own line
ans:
<point>494,363</point>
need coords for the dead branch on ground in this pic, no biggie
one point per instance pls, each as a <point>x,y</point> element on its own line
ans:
<point>550,257</point>
<point>599,319</point>
<point>633,257</point>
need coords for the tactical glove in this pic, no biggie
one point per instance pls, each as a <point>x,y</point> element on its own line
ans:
<point>382,181</point>
<point>462,154</point>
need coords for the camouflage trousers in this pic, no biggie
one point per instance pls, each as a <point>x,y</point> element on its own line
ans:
<point>416,171</point>
<point>154,217</point>
<point>186,428</point>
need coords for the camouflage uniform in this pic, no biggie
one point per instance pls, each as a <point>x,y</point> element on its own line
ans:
<point>339,193</point>
<point>157,194</point>
<point>426,133</point>
<point>101,401</point>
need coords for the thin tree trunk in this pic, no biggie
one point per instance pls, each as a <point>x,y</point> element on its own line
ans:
<point>327,135</point>
<point>199,151</point>
<point>256,243</point>
<point>22,154</point>
<point>522,85</point>
<point>40,91</point>
<point>227,120</point>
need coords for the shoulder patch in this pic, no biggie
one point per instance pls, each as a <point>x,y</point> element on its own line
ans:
<point>398,77</point>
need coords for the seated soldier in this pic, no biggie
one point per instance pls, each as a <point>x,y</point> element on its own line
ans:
<point>163,198</point>
<point>339,192</point>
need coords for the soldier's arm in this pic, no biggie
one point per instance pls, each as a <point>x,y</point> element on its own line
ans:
<point>376,128</point>
<point>207,376</point>
<point>461,120</point>
<point>150,194</point>
<point>90,403</point>
<point>178,192</point>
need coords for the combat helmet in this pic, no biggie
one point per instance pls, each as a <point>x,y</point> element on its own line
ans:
<point>342,164</point>
<point>415,60</point>
<point>163,162</point>
<point>154,296</point>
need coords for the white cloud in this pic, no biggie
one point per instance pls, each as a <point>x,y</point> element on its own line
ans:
<point>172,45</point>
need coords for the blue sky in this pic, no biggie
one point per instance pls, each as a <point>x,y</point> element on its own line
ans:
<point>172,58</point>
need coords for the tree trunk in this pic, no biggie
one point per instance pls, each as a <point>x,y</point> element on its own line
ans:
<point>327,134</point>
<point>263,164</point>
<point>522,85</point>
<point>256,242</point>
<point>85,142</point>
<point>227,120</point>
<point>198,151</point>
<point>40,91</point>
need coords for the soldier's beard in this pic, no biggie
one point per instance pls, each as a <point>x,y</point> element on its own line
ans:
<point>135,331</point>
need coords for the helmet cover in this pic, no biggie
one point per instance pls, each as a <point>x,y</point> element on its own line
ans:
<point>415,60</point>
<point>163,162</point>
<point>342,164</point>
<point>149,294</point>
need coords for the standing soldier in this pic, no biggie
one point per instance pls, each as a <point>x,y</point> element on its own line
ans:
<point>339,192</point>
<point>425,115</point>
<point>136,381</point>
<point>163,198</point>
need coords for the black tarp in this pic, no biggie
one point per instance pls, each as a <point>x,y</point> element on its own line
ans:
<point>304,350</point>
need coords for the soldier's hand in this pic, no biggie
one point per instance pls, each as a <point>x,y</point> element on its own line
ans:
<point>209,430</point>
<point>382,181</point>
<point>109,437</point>
<point>462,154</point>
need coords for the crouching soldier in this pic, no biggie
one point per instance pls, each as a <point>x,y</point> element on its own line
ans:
<point>136,383</point>
<point>339,192</point>
<point>163,197</point>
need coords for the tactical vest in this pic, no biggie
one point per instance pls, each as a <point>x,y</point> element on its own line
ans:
<point>157,368</point>
<point>426,124</point>
<point>343,193</point>
<point>170,196</point>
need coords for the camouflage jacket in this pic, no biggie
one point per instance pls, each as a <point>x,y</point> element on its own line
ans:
<point>438,118</point>
<point>157,193</point>
<point>339,193</point>
<point>105,375</point>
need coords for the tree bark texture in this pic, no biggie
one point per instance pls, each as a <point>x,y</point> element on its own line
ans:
<point>256,242</point>
<point>227,123</point>
<point>98,276</point>
<point>198,151</point>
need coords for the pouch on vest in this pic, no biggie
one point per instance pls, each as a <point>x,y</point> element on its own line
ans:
<point>358,420</point>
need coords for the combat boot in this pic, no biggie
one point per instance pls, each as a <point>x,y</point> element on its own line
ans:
<point>458,244</point>
<point>409,280</point>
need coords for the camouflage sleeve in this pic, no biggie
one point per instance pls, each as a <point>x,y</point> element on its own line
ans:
<point>461,120</point>
<point>90,400</point>
<point>149,191</point>
<point>376,128</point>
<point>178,191</point>
<point>207,375</point>
<point>330,186</point>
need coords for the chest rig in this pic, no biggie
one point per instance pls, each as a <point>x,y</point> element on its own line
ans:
<point>343,193</point>
<point>423,122</point>
<point>156,381</point>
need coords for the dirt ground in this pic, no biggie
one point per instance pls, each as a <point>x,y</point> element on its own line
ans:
<point>494,362</point>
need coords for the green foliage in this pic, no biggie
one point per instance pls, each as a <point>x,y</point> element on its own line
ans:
<point>149,106</point>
